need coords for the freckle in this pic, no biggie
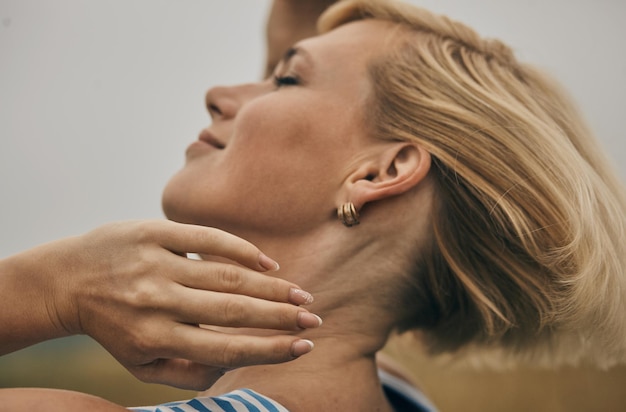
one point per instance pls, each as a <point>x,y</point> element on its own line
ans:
<point>6,22</point>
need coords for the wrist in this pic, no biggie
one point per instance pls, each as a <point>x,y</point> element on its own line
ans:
<point>26,316</point>
<point>47,273</point>
<point>61,285</point>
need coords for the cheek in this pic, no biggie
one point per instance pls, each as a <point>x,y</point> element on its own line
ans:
<point>275,142</point>
<point>281,123</point>
<point>302,130</point>
<point>282,158</point>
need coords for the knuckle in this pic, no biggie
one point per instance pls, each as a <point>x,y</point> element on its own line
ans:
<point>234,355</point>
<point>281,351</point>
<point>230,278</point>
<point>248,249</point>
<point>144,262</point>
<point>234,313</point>
<point>208,235</point>
<point>148,373</point>
<point>279,290</point>
<point>145,295</point>
<point>142,295</point>
<point>288,318</point>
<point>213,236</point>
<point>144,349</point>
<point>144,230</point>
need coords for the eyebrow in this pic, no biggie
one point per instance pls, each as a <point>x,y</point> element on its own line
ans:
<point>293,51</point>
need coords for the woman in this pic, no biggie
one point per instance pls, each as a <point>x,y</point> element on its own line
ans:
<point>414,177</point>
<point>487,216</point>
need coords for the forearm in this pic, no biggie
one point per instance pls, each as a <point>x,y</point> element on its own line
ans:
<point>27,313</point>
<point>290,21</point>
<point>131,288</point>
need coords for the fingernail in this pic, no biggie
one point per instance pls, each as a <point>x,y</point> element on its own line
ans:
<point>267,263</point>
<point>301,347</point>
<point>300,297</point>
<point>309,320</point>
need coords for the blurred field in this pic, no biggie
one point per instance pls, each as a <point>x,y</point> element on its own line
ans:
<point>569,389</point>
<point>79,364</point>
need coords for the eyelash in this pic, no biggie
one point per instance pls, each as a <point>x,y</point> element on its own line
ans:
<point>280,81</point>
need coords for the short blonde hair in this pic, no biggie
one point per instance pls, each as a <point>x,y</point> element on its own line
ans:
<point>528,227</point>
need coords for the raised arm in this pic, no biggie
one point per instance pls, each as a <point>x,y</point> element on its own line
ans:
<point>288,22</point>
<point>130,286</point>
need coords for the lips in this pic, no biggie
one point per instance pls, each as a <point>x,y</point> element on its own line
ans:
<point>207,137</point>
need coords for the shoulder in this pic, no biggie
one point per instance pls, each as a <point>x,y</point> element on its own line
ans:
<point>402,395</point>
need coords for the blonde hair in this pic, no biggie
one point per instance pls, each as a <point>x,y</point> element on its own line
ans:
<point>528,226</point>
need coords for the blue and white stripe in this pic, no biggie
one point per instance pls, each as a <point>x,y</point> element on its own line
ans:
<point>242,400</point>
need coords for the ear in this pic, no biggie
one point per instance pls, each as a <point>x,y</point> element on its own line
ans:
<point>397,169</point>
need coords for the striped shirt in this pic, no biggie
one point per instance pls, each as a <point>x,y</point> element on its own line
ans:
<point>241,400</point>
<point>402,396</point>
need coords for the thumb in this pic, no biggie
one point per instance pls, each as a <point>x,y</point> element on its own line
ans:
<point>180,373</point>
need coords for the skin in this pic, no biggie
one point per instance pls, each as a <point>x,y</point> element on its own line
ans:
<point>32,399</point>
<point>288,22</point>
<point>73,286</point>
<point>102,284</point>
<point>306,150</point>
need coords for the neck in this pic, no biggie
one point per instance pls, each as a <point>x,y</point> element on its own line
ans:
<point>349,291</point>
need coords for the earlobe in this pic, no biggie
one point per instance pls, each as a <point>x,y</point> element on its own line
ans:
<point>396,170</point>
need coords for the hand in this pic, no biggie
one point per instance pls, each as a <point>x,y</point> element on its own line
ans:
<point>288,22</point>
<point>131,287</point>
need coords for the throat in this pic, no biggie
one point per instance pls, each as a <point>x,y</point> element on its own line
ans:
<point>316,381</point>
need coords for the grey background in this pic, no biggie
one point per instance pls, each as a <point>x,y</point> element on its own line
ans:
<point>99,99</point>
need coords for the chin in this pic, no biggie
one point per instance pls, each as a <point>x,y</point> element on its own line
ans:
<point>174,202</point>
<point>184,203</point>
<point>172,212</point>
<point>178,211</point>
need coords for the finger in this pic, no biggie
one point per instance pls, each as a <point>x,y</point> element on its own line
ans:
<point>223,350</point>
<point>179,373</point>
<point>223,309</point>
<point>222,277</point>
<point>205,240</point>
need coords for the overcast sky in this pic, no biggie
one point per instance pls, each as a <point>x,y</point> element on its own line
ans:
<point>99,99</point>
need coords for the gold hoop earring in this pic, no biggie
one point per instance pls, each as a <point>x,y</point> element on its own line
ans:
<point>348,215</point>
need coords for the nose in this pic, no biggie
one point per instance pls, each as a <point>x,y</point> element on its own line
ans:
<point>223,102</point>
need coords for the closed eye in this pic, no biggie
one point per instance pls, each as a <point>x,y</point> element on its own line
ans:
<point>280,81</point>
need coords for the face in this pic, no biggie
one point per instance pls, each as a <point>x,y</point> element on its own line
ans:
<point>277,152</point>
